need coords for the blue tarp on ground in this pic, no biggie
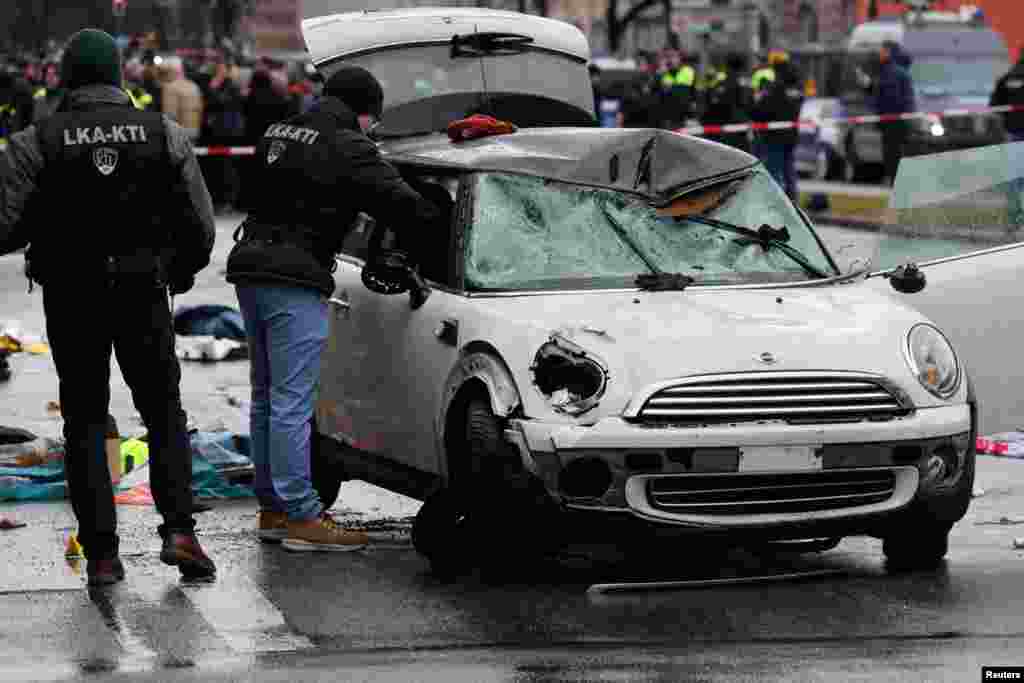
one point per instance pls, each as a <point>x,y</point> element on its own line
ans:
<point>209,320</point>
<point>216,457</point>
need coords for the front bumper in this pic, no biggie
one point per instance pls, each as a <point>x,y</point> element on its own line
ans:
<point>755,476</point>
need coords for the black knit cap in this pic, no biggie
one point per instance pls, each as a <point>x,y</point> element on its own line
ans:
<point>358,88</point>
<point>90,57</point>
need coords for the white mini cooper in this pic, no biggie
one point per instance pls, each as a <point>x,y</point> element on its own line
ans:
<point>629,326</point>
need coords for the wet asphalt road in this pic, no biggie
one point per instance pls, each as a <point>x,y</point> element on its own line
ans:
<point>379,615</point>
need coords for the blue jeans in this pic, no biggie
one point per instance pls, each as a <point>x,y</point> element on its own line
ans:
<point>287,332</point>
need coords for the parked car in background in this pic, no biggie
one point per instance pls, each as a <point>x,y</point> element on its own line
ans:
<point>819,153</point>
<point>955,65</point>
<point>629,328</point>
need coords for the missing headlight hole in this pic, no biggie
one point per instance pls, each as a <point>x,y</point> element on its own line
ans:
<point>571,380</point>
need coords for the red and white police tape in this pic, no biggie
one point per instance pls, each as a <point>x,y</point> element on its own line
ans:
<point>852,120</point>
<point>738,127</point>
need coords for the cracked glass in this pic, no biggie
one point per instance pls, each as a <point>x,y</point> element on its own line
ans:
<point>531,233</point>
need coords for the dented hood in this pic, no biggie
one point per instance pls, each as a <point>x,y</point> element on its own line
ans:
<point>649,337</point>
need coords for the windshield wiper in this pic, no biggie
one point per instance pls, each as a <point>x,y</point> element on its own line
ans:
<point>664,282</point>
<point>489,44</point>
<point>766,236</point>
<point>656,280</point>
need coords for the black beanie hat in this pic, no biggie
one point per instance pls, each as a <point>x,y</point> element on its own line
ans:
<point>91,57</point>
<point>356,87</point>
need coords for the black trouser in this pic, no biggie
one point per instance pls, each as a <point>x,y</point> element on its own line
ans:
<point>136,323</point>
<point>894,138</point>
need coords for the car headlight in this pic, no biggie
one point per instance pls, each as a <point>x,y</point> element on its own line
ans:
<point>933,361</point>
<point>571,379</point>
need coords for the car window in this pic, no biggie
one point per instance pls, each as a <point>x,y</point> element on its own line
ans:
<point>356,240</point>
<point>528,233</point>
<point>428,245</point>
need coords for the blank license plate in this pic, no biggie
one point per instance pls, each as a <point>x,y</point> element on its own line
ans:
<point>766,458</point>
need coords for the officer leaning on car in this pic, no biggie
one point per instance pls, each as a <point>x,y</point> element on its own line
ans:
<point>115,212</point>
<point>317,171</point>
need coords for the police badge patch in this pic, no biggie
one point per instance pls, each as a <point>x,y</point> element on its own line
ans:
<point>105,159</point>
<point>276,150</point>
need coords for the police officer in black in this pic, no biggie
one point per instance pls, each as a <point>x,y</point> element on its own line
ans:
<point>115,212</point>
<point>781,101</point>
<point>1010,91</point>
<point>317,172</point>
<point>728,102</point>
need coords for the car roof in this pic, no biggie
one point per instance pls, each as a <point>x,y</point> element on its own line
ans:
<point>602,157</point>
<point>337,35</point>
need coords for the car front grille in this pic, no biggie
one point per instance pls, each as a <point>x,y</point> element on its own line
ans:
<point>794,397</point>
<point>769,493</point>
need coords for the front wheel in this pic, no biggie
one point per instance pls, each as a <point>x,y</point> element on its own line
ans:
<point>916,550</point>
<point>439,533</point>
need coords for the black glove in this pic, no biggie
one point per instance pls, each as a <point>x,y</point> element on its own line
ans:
<point>181,284</point>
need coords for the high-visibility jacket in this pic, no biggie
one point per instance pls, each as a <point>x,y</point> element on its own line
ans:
<point>762,78</point>
<point>140,98</point>
<point>684,76</point>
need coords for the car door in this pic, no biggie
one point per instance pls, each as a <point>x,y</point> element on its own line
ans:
<point>411,350</point>
<point>951,209</point>
<point>347,386</point>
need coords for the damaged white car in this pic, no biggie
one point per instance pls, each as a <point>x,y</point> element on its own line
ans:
<point>631,327</point>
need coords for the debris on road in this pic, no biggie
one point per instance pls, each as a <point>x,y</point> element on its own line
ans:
<point>1002,521</point>
<point>73,548</point>
<point>220,322</point>
<point>1018,544</point>
<point>1006,444</point>
<point>14,339</point>
<point>977,492</point>
<point>6,524</point>
<point>602,588</point>
<point>210,349</point>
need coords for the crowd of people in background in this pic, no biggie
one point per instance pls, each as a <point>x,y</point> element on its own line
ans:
<point>222,100</point>
<point>227,101</point>
<point>676,93</point>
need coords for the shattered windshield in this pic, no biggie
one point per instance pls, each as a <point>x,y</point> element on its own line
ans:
<point>531,233</point>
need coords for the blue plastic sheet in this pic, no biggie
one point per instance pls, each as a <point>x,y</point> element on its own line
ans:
<point>209,320</point>
<point>215,455</point>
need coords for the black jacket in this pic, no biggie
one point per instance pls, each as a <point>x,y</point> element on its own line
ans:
<point>28,209</point>
<point>782,102</point>
<point>317,172</point>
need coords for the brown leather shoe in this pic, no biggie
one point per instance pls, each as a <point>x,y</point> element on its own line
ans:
<point>182,550</point>
<point>104,572</point>
<point>322,534</point>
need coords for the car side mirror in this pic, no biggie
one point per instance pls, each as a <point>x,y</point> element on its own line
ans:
<point>907,279</point>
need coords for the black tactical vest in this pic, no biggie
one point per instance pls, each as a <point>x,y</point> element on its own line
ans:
<point>99,208</point>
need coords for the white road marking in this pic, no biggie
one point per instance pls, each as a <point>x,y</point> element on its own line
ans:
<point>240,614</point>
